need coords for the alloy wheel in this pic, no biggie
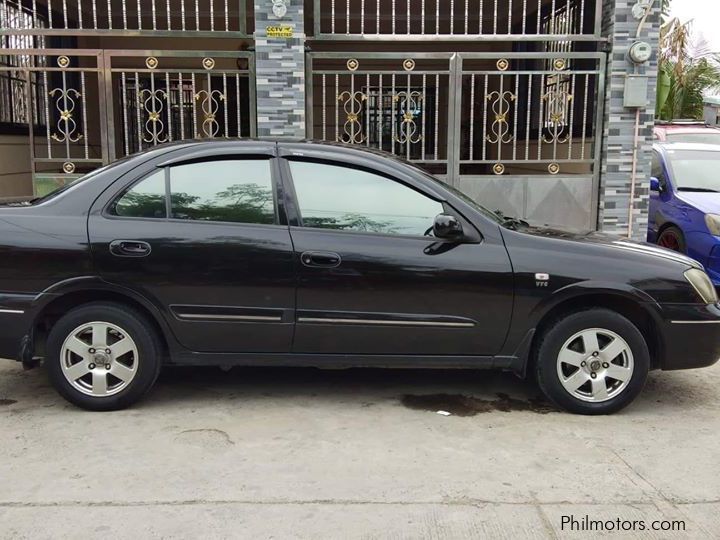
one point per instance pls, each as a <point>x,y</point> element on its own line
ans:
<point>670,240</point>
<point>595,365</point>
<point>99,359</point>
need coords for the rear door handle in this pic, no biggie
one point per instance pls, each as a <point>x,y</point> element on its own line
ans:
<point>130,248</point>
<point>321,259</point>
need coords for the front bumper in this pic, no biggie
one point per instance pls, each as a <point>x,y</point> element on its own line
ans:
<point>689,336</point>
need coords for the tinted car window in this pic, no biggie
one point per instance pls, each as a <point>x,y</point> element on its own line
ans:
<point>657,170</point>
<point>335,197</point>
<point>237,191</point>
<point>146,199</point>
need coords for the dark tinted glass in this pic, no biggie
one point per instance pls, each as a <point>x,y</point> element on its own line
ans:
<point>237,191</point>
<point>335,197</point>
<point>657,170</point>
<point>146,199</point>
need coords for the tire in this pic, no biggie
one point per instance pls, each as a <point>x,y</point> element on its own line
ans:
<point>77,363</point>
<point>672,238</point>
<point>569,383</point>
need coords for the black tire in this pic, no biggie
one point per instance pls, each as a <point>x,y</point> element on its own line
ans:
<point>554,339</point>
<point>672,238</point>
<point>135,325</point>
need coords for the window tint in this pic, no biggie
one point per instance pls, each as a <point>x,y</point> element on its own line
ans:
<point>230,190</point>
<point>334,197</point>
<point>657,170</point>
<point>146,199</point>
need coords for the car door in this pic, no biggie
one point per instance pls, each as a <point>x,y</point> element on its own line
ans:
<point>371,279</point>
<point>202,236</point>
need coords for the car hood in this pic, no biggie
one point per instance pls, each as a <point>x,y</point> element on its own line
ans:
<point>708,203</point>
<point>615,242</point>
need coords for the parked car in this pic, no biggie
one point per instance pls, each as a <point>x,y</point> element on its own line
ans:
<point>685,202</point>
<point>305,254</point>
<point>690,131</point>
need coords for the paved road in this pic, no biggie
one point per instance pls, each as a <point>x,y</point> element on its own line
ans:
<point>301,453</point>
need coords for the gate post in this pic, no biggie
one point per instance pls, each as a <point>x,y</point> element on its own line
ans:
<point>619,197</point>
<point>454,119</point>
<point>280,70</point>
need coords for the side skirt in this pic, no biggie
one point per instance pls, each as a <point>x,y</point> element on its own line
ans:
<point>345,361</point>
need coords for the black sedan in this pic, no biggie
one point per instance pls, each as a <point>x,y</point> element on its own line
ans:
<point>303,254</point>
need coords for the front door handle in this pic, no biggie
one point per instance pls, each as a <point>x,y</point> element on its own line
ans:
<point>130,248</point>
<point>321,259</point>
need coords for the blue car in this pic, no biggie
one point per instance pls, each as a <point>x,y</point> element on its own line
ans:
<point>685,202</point>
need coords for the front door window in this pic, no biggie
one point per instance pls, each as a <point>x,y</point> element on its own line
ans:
<point>350,199</point>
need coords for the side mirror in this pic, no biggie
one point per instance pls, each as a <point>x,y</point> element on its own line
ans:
<point>447,226</point>
<point>654,184</point>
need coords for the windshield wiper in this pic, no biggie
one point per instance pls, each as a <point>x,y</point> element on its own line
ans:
<point>511,222</point>
<point>698,189</point>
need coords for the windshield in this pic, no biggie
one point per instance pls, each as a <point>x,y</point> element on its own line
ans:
<point>695,170</point>
<point>710,137</point>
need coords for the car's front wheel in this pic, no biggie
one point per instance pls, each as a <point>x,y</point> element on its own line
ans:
<point>103,356</point>
<point>672,238</point>
<point>592,362</point>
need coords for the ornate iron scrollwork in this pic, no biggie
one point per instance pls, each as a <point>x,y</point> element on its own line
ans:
<point>65,104</point>
<point>557,103</point>
<point>152,102</point>
<point>353,105</point>
<point>210,106</point>
<point>409,106</point>
<point>500,127</point>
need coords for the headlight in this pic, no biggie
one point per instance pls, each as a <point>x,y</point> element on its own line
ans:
<point>702,284</point>
<point>713,223</point>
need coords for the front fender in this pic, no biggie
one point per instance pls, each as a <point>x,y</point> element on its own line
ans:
<point>585,289</point>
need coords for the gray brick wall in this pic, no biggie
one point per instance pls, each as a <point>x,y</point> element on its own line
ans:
<point>619,124</point>
<point>280,66</point>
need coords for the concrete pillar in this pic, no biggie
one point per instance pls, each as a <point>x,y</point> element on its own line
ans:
<point>619,124</point>
<point>280,67</point>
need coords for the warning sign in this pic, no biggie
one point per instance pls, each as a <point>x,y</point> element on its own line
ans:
<point>279,31</point>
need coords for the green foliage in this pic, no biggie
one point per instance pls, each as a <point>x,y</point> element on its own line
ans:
<point>688,70</point>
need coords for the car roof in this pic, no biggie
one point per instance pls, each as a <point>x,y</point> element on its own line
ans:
<point>688,146</point>
<point>687,129</point>
<point>682,127</point>
<point>331,146</point>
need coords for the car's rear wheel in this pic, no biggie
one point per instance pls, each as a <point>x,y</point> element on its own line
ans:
<point>592,362</point>
<point>103,356</point>
<point>672,238</point>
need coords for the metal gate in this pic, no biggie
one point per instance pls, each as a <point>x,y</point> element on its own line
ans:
<point>88,107</point>
<point>513,129</point>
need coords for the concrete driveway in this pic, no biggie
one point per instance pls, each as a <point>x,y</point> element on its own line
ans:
<point>301,453</point>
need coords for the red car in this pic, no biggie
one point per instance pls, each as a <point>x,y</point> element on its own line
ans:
<point>689,131</point>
